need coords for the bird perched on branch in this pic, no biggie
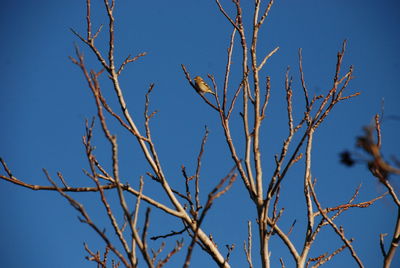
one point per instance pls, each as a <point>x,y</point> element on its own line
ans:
<point>202,86</point>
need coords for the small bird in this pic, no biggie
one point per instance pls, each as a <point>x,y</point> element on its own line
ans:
<point>202,86</point>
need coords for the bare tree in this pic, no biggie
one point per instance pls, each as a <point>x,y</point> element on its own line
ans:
<point>129,242</point>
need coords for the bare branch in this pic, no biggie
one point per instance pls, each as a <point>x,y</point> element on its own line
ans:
<point>86,219</point>
<point>226,15</point>
<point>176,249</point>
<point>303,82</point>
<point>214,194</point>
<point>249,245</point>
<point>129,60</point>
<point>197,176</point>
<point>266,58</point>
<point>227,71</point>
<point>338,231</point>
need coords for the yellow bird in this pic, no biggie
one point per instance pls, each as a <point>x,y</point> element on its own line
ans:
<point>202,86</point>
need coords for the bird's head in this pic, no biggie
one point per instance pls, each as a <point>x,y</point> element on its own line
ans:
<point>197,79</point>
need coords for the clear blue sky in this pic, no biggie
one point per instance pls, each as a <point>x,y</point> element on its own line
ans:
<point>44,101</point>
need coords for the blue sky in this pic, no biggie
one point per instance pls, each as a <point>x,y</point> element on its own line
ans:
<point>44,101</point>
